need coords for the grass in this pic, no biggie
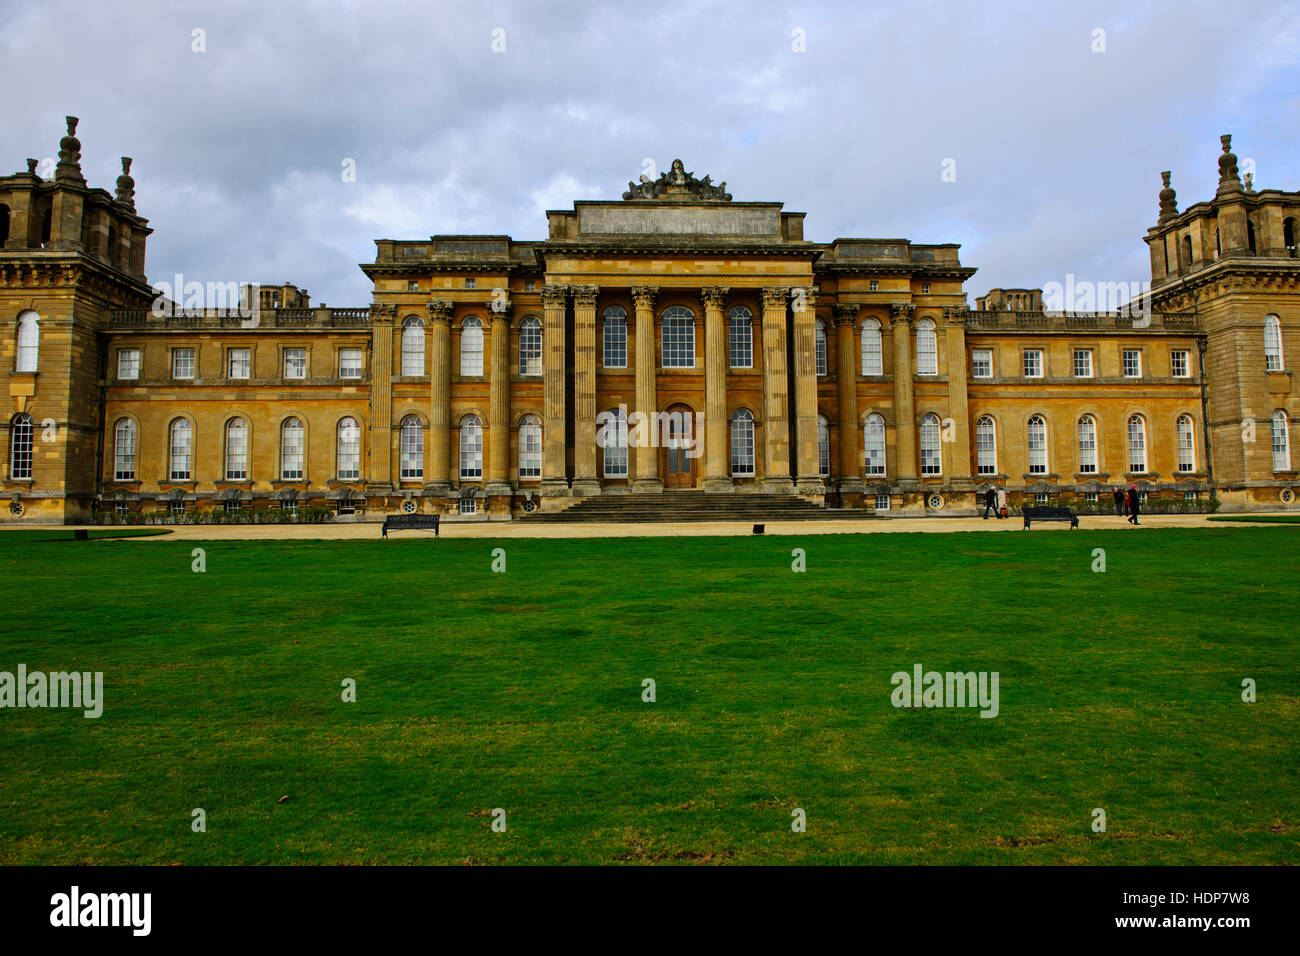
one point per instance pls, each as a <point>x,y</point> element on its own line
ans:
<point>1260,519</point>
<point>523,690</point>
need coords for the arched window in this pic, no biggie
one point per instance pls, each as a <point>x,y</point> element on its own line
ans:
<point>615,337</point>
<point>29,342</point>
<point>20,447</point>
<point>741,337</point>
<point>1289,237</point>
<point>1187,251</point>
<point>530,447</point>
<point>4,224</point>
<point>530,346</point>
<point>471,447</point>
<point>931,450</point>
<point>413,346</point>
<point>613,438</point>
<point>1272,343</point>
<point>1281,442</point>
<point>986,446</point>
<point>823,446</point>
<point>236,450</point>
<point>1087,435</point>
<point>293,448</point>
<point>471,346</point>
<point>1186,443</point>
<point>927,348</point>
<point>679,337</point>
<point>872,361</point>
<point>124,450</point>
<point>349,450</point>
<point>180,448</point>
<point>1036,433</point>
<point>873,444</point>
<point>819,338</point>
<point>742,443</point>
<point>1137,445</point>
<point>411,449</point>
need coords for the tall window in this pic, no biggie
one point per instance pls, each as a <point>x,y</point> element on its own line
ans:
<point>530,346</point>
<point>872,361</point>
<point>29,342</point>
<point>238,363</point>
<point>471,447</point>
<point>615,442</point>
<point>741,338</point>
<point>124,450</point>
<point>981,363</point>
<point>530,447</point>
<point>20,447</point>
<point>236,450</point>
<point>293,447</point>
<point>823,446</point>
<point>1281,442</point>
<point>1087,434</point>
<point>471,346</point>
<point>413,346</point>
<point>819,339</point>
<point>1186,443</point>
<point>615,337</point>
<point>128,364</point>
<point>1137,445</point>
<point>1036,430</point>
<point>927,349</point>
<point>411,443</point>
<point>182,363</point>
<point>1033,363</point>
<point>986,446</point>
<point>1272,343</point>
<point>349,450</point>
<point>742,443</point>
<point>180,442</point>
<point>295,363</point>
<point>1179,363</point>
<point>351,363</point>
<point>873,444</point>
<point>1083,363</point>
<point>679,337</point>
<point>1132,363</point>
<point>931,450</point>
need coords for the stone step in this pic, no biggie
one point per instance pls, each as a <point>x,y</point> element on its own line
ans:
<point>687,506</point>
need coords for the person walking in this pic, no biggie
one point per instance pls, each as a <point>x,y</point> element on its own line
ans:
<point>1134,503</point>
<point>990,502</point>
<point>1120,500</point>
<point>1002,502</point>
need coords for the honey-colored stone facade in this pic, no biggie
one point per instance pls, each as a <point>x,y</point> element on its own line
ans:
<point>478,378</point>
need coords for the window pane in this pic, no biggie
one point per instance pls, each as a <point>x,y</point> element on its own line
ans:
<point>873,442</point>
<point>742,443</point>
<point>679,338</point>
<point>530,347</point>
<point>615,338</point>
<point>291,450</point>
<point>349,450</point>
<point>931,456</point>
<point>986,448</point>
<point>741,339</point>
<point>872,359</point>
<point>471,347</point>
<point>412,449</point>
<point>124,451</point>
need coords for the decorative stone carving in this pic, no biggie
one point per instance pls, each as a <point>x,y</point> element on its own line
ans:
<point>585,295</point>
<point>555,294</point>
<point>677,183</point>
<point>845,314</point>
<point>901,312</point>
<point>775,297</point>
<point>440,310</point>
<point>715,296</point>
<point>1168,204</point>
<point>644,296</point>
<point>126,185</point>
<point>1229,181</point>
<point>69,168</point>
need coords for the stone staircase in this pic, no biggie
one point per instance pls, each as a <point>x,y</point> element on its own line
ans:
<point>683,506</point>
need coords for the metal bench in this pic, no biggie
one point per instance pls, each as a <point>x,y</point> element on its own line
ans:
<point>1046,513</point>
<point>410,523</point>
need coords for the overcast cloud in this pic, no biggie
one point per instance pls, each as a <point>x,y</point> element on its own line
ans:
<point>239,150</point>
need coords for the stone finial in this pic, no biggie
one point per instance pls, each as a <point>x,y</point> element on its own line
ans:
<point>1229,181</point>
<point>126,185</point>
<point>31,166</point>
<point>1168,199</point>
<point>69,168</point>
<point>1250,183</point>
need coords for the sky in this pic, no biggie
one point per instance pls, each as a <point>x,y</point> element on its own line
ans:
<point>1032,134</point>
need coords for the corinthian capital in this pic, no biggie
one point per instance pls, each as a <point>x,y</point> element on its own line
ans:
<point>644,296</point>
<point>585,295</point>
<point>803,298</point>
<point>775,298</point>
<point>845,314</point>
<point>500,307</point>
<point>554,294</point>
<point>714,297</point>
<point>440,310</point>
<point>901,312</point>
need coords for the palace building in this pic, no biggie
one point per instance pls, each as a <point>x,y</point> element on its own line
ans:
<point>491,376</point>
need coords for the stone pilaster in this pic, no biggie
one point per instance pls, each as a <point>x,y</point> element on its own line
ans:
<point>805,392</point>
<point>382,318</point>
<point>554,478</point>
<point>585,481</point>
<point>716,457</point>
<point>847,380</point>
<point>905,464</point>
<point>647,457</point>
<point>958,405</point>
<point>439,478</point>
<point>776,403</point>
<point>498,470</point>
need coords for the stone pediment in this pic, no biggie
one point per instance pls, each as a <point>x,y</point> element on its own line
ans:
<point>677,185</point>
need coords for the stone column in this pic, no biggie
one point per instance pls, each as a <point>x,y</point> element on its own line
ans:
<point>439,479</point>
<point>498,470</point>
<point>847,378</point>
<point>958,405</point>
<point>584,390</point>
<point>805,392</point>
<point>554,480</point>
<point>905,465</point>
<point>776,405</point>
<point>647,456</point>
<point>716,465</point>
<point>382,319</point>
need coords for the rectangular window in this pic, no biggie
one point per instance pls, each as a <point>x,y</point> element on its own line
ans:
<point>1033,363</point>
<point>232,507</point>
<point>742,342</point>
<point>120,508</point>
<point>469,283</point>
<point>412,285</point>
<point>873,286</point>
<point>530,285</point>
<point>615,341</point>
<point>925,288</point>
<point>1040,497</point>
<point>1132,363</point>
<point>1090,497</point>
<point>530,451</point>
<point>679,342</point>
<point>981,363</point>
<point>1189,496</point>
<point>1179,363</point>
<point>176,507</point>
<point>128,364</point>
<point>350,363</point>
<point>468,505</point>
<point>1083,363</point>
<point>882,502</point>
<point>295,363</point>
<point>182,363</point>
<point>238,363</point>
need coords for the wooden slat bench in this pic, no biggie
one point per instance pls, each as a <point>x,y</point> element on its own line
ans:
<point>1049,513</point>
<point>410,523</point>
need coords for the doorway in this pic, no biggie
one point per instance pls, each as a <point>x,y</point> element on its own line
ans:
<point>679,466</point>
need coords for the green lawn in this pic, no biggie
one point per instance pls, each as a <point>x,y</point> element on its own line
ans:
<point>522,690</point>
<point>1264,519</point>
